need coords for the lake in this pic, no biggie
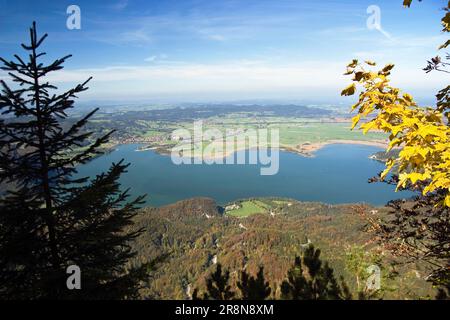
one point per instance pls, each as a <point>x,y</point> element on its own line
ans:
<point>337,174</point>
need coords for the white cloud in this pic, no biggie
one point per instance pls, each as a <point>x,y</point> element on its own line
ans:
<point>151,59</point>
<point>312,79</point>
<point>137,36</point>
<point>369,55</point>
<point>160,58</point>
<point>216,37</point>
<point>120,5</point>
<point>342,30</point>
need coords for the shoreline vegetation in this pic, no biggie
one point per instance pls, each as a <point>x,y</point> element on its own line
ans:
<point>301,130</point>
<point>305,149</point>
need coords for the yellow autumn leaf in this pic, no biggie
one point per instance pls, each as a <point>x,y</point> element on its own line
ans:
<point>402,180</point>
<point>447,200</point>
<point>414,177</point>
<point>353,64</point>
<point>427,130</point>
<point>421,132</point>
<point>387,69</point>
<point>389,165</point>
<point>349,91</point>
<point>396,129</point>
<point>394,143</point>
<point>407,3</point>
<point>355,120</point>
<point>366,127</point>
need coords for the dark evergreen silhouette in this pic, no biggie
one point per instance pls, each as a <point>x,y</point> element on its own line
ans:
<point>311,279</point>
<point>308,279</point>
<point>217,287</point>
<point>49,219</point>
<point>444,290</point>
<point>254,288</point>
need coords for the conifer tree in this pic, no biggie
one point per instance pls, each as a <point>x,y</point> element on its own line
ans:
<point>254,288</point>
<point>311,279</point>
<point>217,286</point>
<point>50,219</point>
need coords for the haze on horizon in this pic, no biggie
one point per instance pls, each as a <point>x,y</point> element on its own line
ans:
<point>197,50</point>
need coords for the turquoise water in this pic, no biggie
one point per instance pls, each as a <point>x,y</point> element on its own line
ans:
<point>337,174</point>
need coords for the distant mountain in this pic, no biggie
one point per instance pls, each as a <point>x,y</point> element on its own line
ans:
<point>180,113</point>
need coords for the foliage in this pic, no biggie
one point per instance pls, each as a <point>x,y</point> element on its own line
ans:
<point>50,220</point>
<point>358,261</point>
<point>196,241</point>
<point>308,279</point>
<point>252,288</point>
<point>416,229</point>
<point>217,286</point>
<point>311,279</point>
<point>421,132</point>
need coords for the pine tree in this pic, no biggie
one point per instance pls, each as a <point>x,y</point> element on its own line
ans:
<point>254,288</point>
<point>50,219</point>
<point>311,279</point>
<point>217,286</point>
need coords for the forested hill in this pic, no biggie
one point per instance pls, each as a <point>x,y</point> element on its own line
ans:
<point>196,235</point>
<point>190,113</point>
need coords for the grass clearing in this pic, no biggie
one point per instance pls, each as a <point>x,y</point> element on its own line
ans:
<point>248,208</point>
<point>323,132</point>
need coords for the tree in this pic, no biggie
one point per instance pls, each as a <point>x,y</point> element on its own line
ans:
<point>217,287</point>
<point>254,288</point>
<point>50,219</point>
<point>311,279</point>
<point>417,229</point>
<point>359,261</point>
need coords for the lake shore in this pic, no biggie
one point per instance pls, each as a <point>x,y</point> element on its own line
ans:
<point>309,149</point>
<point>326,177</point>
<point>305,149</point>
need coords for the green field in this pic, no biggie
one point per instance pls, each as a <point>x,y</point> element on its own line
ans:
<point>294,132</point>
<point>321,132</point>
<point>248,208</point>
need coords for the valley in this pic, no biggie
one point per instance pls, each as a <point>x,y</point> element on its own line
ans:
<point>302,129</point>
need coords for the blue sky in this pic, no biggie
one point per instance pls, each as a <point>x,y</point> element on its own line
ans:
<point>214,50</point>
